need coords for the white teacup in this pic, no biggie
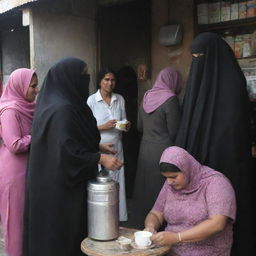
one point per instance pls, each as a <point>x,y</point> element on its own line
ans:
<point>142,238</point>
<point>121,125</point>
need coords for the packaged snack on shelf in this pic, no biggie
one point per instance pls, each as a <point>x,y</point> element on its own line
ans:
<point>214,12</point>
<point>250,75</point>
<point>247,51</point>
<point>239,40</point>
<point>251,8</point>
<point>202,13</point>
<point>242,9</point>
<point>234,11</point>
<point>231,41</point>
<point>225,10</point>
<point>253,43</point>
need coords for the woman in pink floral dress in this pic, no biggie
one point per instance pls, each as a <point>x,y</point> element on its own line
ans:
<point>198,204</point>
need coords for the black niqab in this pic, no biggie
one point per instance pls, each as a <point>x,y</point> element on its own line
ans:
<point>63,157</point>
<point>215,126</point>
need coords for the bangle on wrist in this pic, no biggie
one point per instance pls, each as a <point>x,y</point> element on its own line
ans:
<point>179,237</point>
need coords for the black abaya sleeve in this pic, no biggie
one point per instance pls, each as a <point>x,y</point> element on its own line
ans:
<point>78,154</point>
<point>68,147</point>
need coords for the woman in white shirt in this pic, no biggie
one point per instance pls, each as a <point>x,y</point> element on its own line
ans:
<point>108,108</point>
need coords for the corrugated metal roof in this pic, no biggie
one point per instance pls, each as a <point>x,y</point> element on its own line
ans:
<point>6,5</point>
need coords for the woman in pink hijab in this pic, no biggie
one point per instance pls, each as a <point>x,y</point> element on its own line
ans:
<point>17,105</point>
<point>158,120</point>
<point>198,204</point>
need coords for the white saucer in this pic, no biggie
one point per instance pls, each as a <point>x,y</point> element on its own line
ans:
<point>135,246</point>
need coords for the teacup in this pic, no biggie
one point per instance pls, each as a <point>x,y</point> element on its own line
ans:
<point>142,238</point>
<point>121,125</point>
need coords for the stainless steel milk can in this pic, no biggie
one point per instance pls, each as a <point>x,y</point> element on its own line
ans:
<point>103,208</point>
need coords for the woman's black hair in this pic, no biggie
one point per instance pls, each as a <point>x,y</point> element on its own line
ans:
<point>166,167</point>
<point>102,73</point>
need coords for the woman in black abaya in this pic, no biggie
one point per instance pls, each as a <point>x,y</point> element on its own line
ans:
<point>215,126</point>
<point>64,155</point>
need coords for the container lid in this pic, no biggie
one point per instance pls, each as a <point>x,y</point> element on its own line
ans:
<point>103,179</point>
<point>103,182</point>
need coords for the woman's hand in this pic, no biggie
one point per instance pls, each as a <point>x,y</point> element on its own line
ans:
<point>107,148</point>
<point>150,229</point>
<point>110,162</point>
<point>153,221</point>
<point>108,125</point>
<point>165,238</point>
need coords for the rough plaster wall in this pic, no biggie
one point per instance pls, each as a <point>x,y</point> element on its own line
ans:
<point>183,59</point>
<point>172,12</point>
<point>58,36</point>
<point>15,51</point>
<point>159,54</point>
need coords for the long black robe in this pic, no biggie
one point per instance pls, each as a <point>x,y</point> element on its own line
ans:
<point>63,157</point>
<point>128,88</point>
<point>215,126</point>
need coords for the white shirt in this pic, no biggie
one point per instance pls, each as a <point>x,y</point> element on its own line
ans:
<point>104,112</point>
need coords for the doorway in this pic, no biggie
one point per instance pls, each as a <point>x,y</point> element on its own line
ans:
<point>124,45</point>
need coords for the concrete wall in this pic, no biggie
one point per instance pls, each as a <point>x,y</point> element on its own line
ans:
<point>53,37</point>
<point>172,12</point>
<point>15,51</point>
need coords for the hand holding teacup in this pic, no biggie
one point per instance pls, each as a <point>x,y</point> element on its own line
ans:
<point>123,125</point>
<point>150,229</point>
<point>128,126</point>
<point>109,124</point>
<point>142,238</point>
<point>165,238</point>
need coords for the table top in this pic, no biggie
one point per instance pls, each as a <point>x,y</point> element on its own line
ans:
<point>111,248</point>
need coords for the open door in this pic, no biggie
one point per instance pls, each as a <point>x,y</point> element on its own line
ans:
<point>125,45</point>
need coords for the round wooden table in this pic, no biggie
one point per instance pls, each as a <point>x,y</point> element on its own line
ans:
<point>111,248</point>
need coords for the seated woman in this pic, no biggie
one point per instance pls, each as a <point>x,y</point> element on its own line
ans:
<point>198,205</point>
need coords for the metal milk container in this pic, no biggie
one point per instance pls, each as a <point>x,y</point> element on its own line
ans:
<point>103,207</point>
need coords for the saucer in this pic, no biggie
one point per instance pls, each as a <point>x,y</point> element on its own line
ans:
<point>135,246</point>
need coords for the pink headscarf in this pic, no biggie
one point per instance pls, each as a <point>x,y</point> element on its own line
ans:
<point>195,173</point>
<point>166,85</point>
<point>14,93</point>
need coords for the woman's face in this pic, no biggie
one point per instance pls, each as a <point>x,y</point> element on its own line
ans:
<point>32,89</point>
<point>176,180</point>
<point>108,83</point>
